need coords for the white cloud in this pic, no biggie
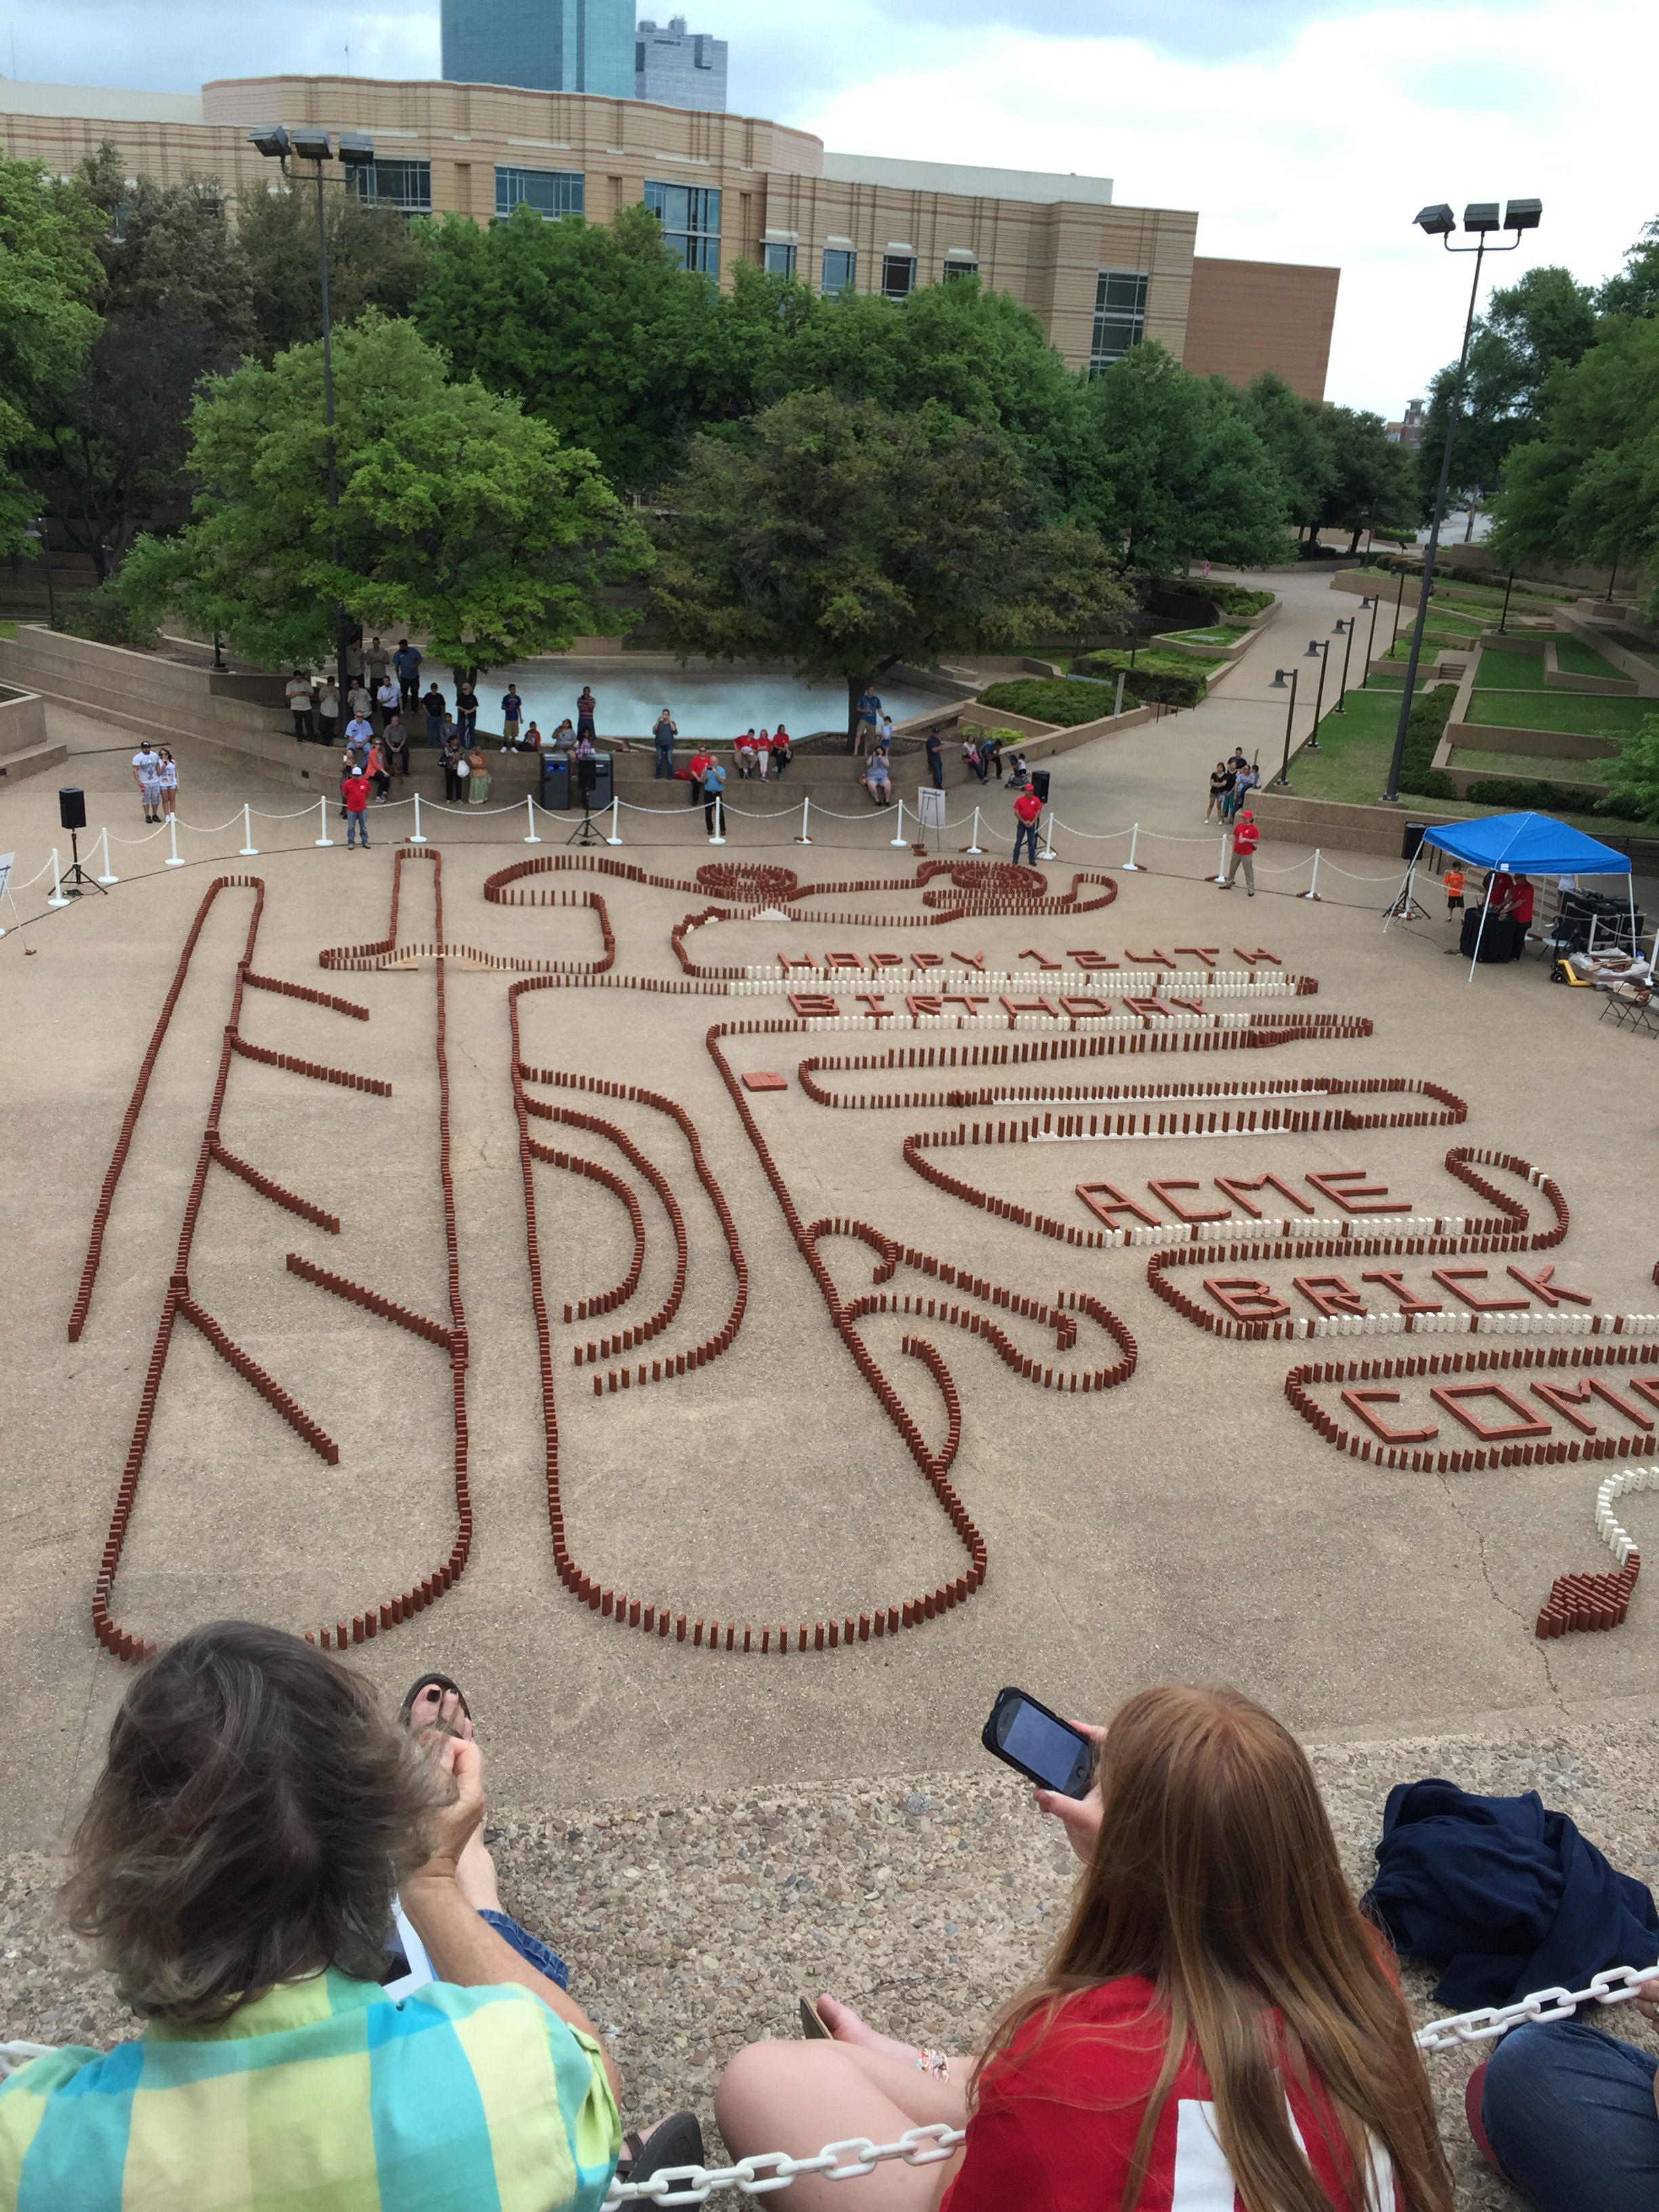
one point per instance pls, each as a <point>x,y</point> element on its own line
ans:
<point>1300,133</point>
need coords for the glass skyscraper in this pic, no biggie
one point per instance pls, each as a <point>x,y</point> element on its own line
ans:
<point>542,46</point>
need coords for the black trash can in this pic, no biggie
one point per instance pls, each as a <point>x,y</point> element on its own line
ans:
<point>1411,844</point>
<point>555,781</point>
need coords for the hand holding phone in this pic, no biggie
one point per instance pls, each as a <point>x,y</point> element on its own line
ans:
<point>1038,1744</point>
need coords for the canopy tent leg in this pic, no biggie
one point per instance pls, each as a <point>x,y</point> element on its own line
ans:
<point>1486,908</point>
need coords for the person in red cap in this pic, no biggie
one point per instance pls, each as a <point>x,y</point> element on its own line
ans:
<point>1246,838</point>
<point>1028,809</point>
<point>354,790</point>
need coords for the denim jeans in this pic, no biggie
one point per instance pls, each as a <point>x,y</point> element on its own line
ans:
<point>529,1947</point>
<point>1021,831</point>
<point>937,770</point>
<point>665,758</point>
<point>356,826</point>
<point>1570,2114</point>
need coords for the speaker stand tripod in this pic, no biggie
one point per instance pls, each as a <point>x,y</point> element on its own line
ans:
<point>585,833</point>
<point>75,878</point>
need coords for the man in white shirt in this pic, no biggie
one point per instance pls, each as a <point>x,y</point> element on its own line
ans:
<point>387,697</point>
<point>300,701</point>
<point>147,774</point>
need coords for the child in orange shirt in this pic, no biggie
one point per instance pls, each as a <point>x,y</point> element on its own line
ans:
<point>1453,890</point>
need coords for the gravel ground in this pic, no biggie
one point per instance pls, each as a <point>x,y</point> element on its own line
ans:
<point>692,1927</point>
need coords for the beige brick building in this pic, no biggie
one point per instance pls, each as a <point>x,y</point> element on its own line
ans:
<point>727,187</point>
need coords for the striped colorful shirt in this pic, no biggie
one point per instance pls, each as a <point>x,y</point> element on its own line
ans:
<point>324,2096</point>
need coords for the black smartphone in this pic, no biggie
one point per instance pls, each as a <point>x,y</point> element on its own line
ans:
<point>1051,1753</point>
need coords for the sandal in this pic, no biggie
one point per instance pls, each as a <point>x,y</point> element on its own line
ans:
<point>676,2141</point>
<point>428,1682</point>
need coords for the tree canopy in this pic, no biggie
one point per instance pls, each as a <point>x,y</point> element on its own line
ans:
<point>50,281</point>
<point>459,516</point>
<point>842,537</point>
<point>374,260</point>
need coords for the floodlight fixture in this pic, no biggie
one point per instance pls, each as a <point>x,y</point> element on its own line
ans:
<point>1522,215</point>
<point>311,144</point>
<point>1480,216</point>
<point>1437,220</point>
<point>1279,680</point>
<point>357,148</point>
<point>1316,646</point>
<point>1342,622</point>
<point>272,141</point>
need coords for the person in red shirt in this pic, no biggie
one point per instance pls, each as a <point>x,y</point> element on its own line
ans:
<point>700,761</point>
<point>1028,812</point>
<point>354,791</point>
<point>1218,2025</point>
<point>1246,838</point>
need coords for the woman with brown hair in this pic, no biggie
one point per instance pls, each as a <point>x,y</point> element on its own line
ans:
<point>1217,2017</point>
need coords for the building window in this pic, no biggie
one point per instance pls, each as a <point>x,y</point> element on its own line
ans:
<point>405,186</point>
<point>841,266</point>
<point>899,275</point>
<point>959,265</point>
<point>779,259</point>
<point>690,219</point>
<point>1120,316</point>
<point>551,192</point>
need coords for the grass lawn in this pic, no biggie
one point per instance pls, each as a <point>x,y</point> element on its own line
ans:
<point>1160,663</point>
<point>7,629</point>
<point>1574,658</point>
<point>1508,671</point>
<point>1435,640</point>
<point>1532,765</point>
<point>1202,636</point>
<point>1560,710</point>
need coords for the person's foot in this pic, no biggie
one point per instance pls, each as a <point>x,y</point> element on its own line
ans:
<point>845,2025</point>
<point>438,1711</point>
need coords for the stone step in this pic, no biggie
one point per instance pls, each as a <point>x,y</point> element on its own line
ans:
<point>33,760</point>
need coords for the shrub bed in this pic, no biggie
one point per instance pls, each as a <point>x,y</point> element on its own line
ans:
<point>1050,699</point>
<point>1426,726</point>
<point>1235,599</point>
<point>1173,679</point>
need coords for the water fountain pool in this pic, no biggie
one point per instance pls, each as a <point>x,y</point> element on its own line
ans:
<point>705,702</point>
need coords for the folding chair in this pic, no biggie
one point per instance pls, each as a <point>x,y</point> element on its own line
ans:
<point>1631,1009</point>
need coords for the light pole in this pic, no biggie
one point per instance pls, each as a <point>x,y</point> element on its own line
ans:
<point>1344,622</point>
<point>1373,602</point>
<point>306,143</point>
<point>1278,685</point>
<point>37,529</point>
<point>1503,619</point>
<point>1480,218</point>
<point>1318,648</point>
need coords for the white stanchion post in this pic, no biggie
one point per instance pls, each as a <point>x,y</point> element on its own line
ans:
<point>806,837</point>
<point>109,875</point>
<point>415,837</point>
<point>1048,852</point>
<point>718,837</point>
<point>1312,891</point>
<point>976,847</point>
<point>56,898</point>
<point>530,810</point>
<point>322,817</point>
<point>901,839</point>
<point>1117,704</point>
<point>615,838</point>
<point>1131,868</point>
<point>1220,875</point>
<point>173,859</point>
<point>249,850</point>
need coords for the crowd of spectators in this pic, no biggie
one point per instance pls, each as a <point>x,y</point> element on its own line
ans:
<point>294,1893</point>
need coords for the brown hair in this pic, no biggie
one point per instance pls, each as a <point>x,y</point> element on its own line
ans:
<point>254,1815</point>
<point>1215,1876</point>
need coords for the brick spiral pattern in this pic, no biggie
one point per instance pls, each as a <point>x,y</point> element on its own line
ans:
<point>1589,1600</point>
<point>180,1304</point>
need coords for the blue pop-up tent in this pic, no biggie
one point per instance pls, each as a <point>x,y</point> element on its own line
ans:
<point>1528,845</point>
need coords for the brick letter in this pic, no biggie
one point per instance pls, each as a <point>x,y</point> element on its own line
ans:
<point>809,1003</point>
<point>1114,1203</point>
<point>1449,1278</point>
<point>1175,1182</point>
<point>1543,1285</point>
<point>1357,1402</point>
<point>1329,1294</point>
<point>1246,1297</point>
<point>1526,1422</point>
<point>1236,1186</point>
<point>1361,1199</point>
<point>1391,1279</point>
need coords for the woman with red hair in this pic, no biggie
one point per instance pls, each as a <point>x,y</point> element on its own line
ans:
<point>1216,2018</point>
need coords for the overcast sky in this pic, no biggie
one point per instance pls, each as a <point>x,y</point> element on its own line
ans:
<point>1300,131</point>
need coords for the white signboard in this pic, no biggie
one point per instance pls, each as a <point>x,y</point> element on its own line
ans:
<point>930,807</point>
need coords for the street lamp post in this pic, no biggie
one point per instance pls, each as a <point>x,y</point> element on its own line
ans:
<point>1344,622</point>
<point>37,529</point>
<point>1503,619</point>
<point>356,150</point>
<point>1319,648</point>
<point>1373,601</point>
<point>1278,685</point>
<point>1480,218</point>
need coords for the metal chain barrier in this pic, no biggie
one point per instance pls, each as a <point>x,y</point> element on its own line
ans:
<point>764,2170</point>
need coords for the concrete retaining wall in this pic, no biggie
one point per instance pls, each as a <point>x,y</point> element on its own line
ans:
<point>146,693</point>
<point>1335,827</point>
<point>22,723</point>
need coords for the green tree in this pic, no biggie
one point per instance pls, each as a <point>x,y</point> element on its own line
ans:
<point>594,329</point>
<point>1586,488</point>
<point>1374,485</point>
<point>1166,467</point>
<point>459,516</point>
<point>375,259</point>
<point>178,306</point>
<point>842,538</point>
<point>1635,289</point>
<point>1530,331</point>
<point>1291,428</point>
<point>1633,778</point>
<point>50,279</point>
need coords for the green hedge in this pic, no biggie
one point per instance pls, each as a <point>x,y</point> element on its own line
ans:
<point>1050,699</point>
<point>1430,712</point>
<point>1517,791</point>
<point>102,616</point>
<point>1233,599</point>
<point>1175,680</point>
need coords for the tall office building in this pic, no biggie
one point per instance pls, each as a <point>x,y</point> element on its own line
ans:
<point>678,68</point>
<point>541,46</point>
